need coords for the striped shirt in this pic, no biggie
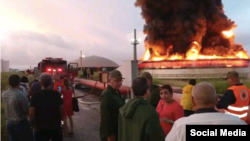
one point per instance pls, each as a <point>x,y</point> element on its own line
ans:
<point>15,104</point>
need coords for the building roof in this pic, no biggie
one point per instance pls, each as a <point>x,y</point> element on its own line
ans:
<point>95,61</point>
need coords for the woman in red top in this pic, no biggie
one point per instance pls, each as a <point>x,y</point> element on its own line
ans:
<point>68,107</point>
<point>168,109</point>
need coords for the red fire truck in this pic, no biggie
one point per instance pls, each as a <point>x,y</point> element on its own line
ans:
<point>58,65</point>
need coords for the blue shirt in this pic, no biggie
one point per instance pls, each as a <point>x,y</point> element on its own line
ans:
<point>15,104</point>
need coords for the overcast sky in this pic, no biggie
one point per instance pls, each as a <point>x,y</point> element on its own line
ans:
<point>35,29</point>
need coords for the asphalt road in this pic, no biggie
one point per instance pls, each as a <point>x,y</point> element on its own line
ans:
<point>86,121</point>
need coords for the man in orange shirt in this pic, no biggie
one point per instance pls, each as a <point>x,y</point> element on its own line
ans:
<point>57,82</point>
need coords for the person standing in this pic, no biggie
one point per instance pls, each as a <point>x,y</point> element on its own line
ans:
<point>25,82</point>
<point>46,111</point>
<point>68,108</point>
<point>57,82</point>
<point>16,111</point>
<point>83,70</point>
<point>186,99</point>
<point>204,99</point>
<point>24,86</point>
<point>104,69</point>
<point>138,120</point>
<point>169,110</point>
<point>92,73</point>
<point>88,73</point>
<point>111,101</point>
<point>85,74</point>
<point>236,99</point>
<point>154,96</point>
<point>36,86</point>
<point>35,80</point>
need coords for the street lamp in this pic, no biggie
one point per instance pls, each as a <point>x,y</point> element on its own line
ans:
<point>135,42</point>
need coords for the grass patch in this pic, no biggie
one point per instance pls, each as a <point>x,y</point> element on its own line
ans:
<point>3,124</point>
<point>219,84</point>
<point>4,86</point>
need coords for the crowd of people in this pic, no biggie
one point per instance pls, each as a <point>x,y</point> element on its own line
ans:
<point>36,112</point>
<point>153,114</point>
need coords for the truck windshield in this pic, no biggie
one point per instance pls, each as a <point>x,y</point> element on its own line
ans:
<point>54,64</point>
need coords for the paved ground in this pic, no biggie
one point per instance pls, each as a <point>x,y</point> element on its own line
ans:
<point>86,121</point>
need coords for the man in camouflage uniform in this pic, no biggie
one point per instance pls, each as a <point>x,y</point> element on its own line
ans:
<point>111,101</point>
<point>154,96</point>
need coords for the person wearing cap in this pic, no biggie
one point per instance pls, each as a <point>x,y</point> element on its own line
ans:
<point>154,96</point>
<point>111,102</point>
<point>236,99</point>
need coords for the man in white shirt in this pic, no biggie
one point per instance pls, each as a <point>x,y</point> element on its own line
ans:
<point>24,91</point>
<point>24,87</point>
<point>204,99</point>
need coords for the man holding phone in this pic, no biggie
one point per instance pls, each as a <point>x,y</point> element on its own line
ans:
<point>58,83</point>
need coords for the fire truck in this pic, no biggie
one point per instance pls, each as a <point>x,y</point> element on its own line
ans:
<point>58,65</point>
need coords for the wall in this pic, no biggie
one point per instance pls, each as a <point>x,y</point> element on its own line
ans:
<point>5,66</point>
<point>188,73</point>
<point>204,73</point>
<point>1,65</point>
<point>129,70</point>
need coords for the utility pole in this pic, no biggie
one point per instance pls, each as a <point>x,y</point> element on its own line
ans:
<point>134,63</point>
<point>81,59</point>
<point>135,42</point>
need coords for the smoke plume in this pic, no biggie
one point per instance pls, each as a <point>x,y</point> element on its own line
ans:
<point>172,25</point>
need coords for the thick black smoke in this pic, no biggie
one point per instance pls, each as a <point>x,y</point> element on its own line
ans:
<point>180,22</point>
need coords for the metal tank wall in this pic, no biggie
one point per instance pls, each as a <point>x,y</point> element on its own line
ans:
<point>194,73</point>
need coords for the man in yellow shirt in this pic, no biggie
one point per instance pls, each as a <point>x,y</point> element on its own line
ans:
<point>186,100</point>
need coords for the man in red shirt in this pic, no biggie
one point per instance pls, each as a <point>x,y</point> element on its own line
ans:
<point>57,82</point>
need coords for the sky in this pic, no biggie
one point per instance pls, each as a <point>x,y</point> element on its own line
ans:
<point>31,30</point>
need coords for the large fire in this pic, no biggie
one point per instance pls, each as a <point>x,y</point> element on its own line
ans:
<point>188,30</point>
<point>193,53</point>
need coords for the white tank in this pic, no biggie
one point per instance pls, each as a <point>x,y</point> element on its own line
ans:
<point>194,73</point>
<point>5,66</point>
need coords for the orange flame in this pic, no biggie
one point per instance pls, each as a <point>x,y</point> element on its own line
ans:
<point>228,34</point>
<point>193,52</point>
